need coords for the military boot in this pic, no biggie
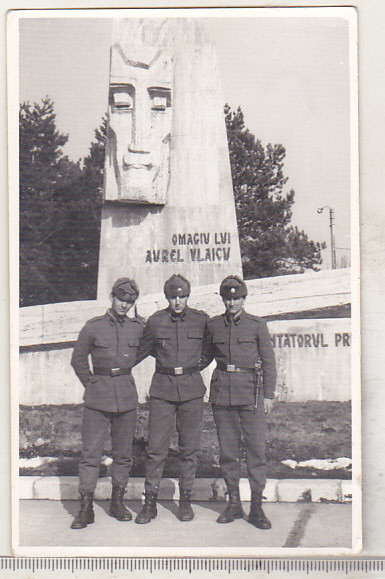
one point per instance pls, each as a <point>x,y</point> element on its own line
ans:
<point>257,517</point>
<point>185,512</point>
<point>117,507</point>
<point>85,515</point>
<point>148,511</point>
<point>234,508</point>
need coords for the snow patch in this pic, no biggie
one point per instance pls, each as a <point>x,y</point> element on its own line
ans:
<point>320,464</point>
<point>36,462</point>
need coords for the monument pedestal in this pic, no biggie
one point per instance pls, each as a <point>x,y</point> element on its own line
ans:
<point>169,204</point>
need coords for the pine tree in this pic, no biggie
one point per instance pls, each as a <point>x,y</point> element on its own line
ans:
<point>269,244</point>
<point>58,220</point>
<point>40,148</point>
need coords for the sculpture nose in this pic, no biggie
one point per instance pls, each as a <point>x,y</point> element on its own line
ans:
<point>141,122</point>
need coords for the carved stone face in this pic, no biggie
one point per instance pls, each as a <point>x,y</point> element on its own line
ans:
<point>140,123</point>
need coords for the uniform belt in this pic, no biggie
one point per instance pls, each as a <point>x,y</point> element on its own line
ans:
<point>112,371</point>
<point>233,368</point>
<point>178,371</point>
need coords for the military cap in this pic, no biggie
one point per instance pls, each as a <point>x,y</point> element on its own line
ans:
<point>233,287</point>
<point>125,289</point>
<point>177,285</point>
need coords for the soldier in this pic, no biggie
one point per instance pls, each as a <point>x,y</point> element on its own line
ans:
<point>174,337</point>
<point>110,398</point>
<point>238,341</point>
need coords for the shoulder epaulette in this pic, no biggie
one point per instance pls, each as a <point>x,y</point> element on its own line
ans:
<point>200,312</point>
<point>253,317</point>
<point>138,320</point>
<point>214,318</point>
<point>157,313</point>
<point>95,319</point>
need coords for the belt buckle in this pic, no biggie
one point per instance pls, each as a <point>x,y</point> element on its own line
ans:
<point>115,371</point>
<point>230,368</point>
<point>178,371</point>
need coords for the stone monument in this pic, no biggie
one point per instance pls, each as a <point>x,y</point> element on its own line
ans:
<point>168,197</point>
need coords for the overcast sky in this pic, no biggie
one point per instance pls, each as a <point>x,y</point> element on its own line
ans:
<point>291,77</point>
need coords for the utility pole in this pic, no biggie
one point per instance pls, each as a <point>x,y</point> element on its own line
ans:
<point>332,240</point>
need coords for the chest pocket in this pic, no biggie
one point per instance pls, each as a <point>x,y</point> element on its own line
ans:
<point>247,339</point>
<point>100,344</point>
<point>194,335</point>
<point>161,340</point>
<point>133,343</point>
<point>219,340</point>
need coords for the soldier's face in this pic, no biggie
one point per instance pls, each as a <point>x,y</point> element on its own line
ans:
<point>233,305</point>
<point>178,304</point>
<point>120,307</point>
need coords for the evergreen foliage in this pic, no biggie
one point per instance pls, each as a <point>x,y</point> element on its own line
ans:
<point>269,244</point>
<point>60,208</point>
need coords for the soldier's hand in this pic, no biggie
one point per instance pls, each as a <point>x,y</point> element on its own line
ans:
<point>268,404</point>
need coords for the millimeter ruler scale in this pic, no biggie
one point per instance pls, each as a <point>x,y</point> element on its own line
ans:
<point>115,567</point>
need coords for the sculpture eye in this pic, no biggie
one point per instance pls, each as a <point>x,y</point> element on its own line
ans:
<point>122,98</point>
<point>159,103</point>
<point>160,98</point>
<point>123,101</point>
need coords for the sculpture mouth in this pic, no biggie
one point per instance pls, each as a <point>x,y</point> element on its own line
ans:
<point>137,166</point>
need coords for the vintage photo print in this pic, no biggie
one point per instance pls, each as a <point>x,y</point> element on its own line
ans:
<point>184,232</point>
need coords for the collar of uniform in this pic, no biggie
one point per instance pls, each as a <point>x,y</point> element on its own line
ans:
<point>113,319</point>
<point>175,317</point>
<point>236,319</point>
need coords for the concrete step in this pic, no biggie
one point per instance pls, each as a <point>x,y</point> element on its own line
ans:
<point>205,489</point>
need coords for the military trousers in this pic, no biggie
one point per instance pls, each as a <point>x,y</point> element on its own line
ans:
<point>163,418</point>
<point>95,428</point>
<point>232,422</point>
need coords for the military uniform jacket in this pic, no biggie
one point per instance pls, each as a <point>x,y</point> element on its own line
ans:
<point>112,344</point>
<point>240,342</point>
<point>175,341</point>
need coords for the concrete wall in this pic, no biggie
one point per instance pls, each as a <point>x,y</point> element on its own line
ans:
<point>55,323</point>
<point>313,356</point>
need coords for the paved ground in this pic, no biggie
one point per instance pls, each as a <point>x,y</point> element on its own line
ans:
<point>47,523</point>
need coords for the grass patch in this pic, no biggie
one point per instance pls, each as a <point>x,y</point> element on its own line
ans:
<point>296,430</point>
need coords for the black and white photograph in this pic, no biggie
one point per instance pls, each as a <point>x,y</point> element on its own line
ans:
<point>185,342</point>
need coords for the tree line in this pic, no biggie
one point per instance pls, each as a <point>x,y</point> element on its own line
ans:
<point>60,205</point>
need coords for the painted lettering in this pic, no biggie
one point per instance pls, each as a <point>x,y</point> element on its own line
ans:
<point>342,339</point>
<point>164,255</point>
<point>286,341</point>
<point>316,340</point>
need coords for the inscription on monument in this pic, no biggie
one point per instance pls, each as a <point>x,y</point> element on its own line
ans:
<point>309,340</point>
<point>193,247</point>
